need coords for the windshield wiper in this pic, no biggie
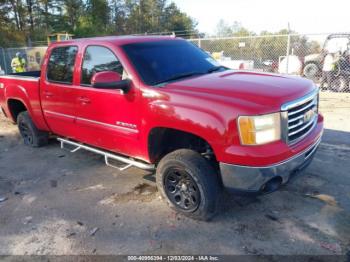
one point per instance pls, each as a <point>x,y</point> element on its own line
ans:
<point>189,74</point>
<point>216,68</point>
<point>179,76</point>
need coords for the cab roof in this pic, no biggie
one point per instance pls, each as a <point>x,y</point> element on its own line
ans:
<point>118,40</point>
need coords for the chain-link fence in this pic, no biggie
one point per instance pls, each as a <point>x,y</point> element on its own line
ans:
<point>323,58</point>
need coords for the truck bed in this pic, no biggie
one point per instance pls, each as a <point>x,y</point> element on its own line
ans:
<point>35,74</point>
<point>23,87</point>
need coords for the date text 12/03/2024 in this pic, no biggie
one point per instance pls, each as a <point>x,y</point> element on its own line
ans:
<point>173,258</point>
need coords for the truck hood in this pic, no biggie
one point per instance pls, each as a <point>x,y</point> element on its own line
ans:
<point>253,90</point>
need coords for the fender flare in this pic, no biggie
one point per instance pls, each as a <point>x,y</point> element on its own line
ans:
<point>15,92</point>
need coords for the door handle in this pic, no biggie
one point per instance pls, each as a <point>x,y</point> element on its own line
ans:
<point>48,94</point>
<point>84,100</point>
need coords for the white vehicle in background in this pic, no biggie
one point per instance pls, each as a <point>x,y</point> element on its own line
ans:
<point>237,64</point>
<point>2,72</point>
<point>334,43</point>
<point>290,65</point>
<point>231,63</point>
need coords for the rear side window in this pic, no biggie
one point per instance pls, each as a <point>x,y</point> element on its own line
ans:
<point>98,59</point>
<point>61,64</point>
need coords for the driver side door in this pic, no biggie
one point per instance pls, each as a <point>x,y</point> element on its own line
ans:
<point>106,118</point>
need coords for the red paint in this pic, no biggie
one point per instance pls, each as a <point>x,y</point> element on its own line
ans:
<point>206,106</point>
<point>105,77</point>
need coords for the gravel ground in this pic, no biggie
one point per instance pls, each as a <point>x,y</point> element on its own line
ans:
<point>62,203</point>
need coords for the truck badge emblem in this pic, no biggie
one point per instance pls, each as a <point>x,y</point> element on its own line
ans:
<point>309,115</point>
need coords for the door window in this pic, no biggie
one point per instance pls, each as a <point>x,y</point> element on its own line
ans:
<point>99,59</point>
<point>61,64</point>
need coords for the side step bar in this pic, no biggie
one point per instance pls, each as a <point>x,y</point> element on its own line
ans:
<point>127,161</point>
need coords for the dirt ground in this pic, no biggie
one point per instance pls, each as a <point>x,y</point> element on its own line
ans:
<point>62,203</point>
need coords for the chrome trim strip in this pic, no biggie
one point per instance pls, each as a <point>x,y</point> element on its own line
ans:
<point>295,119</point>
<point>26,78</point>
<point>299,101</point>
<point>108,125</point>
<point>286,120</point>
<point>303,136</point>
<point>284,125</point>
<point>311,152</point>
<point>296,125</point>
<point>316,144</point>
<point>59,114</point>
<point>301,109</point>
<point>303,128</point>
<point>94,122</point>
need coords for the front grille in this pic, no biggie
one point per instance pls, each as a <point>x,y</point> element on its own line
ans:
<point>301,117</point>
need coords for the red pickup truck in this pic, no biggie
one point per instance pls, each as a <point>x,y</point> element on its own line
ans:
<point>161,103</point>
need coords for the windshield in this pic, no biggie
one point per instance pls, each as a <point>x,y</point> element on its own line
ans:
<point>164,61</point>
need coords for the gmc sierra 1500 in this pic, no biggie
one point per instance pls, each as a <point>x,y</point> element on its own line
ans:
<point>162,103</point>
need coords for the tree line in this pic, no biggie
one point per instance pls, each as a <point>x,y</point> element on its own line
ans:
<point>28,22</point>
<point>24,22</point>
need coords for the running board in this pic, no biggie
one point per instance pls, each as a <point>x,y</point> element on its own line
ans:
<point>107,156</point>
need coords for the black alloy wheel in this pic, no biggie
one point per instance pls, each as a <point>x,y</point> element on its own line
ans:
<point>26,133</point>
<point>31,135</point>
<point>189,183</point>
<point>181,189</point>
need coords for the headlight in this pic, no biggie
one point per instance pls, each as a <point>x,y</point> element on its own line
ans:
<point>258,130</point>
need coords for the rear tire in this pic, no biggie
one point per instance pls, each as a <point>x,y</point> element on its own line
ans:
<point>189,183</point>
<point>341,84</point>
<point>31,135</point>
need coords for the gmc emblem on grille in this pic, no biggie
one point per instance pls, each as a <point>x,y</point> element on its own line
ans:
<point>309,115</point>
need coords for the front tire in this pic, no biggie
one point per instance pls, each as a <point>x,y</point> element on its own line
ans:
<point>189,183</point>
<point>311,71</point>
<point>31,135</point>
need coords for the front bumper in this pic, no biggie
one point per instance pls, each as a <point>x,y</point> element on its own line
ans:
<point>246,179</point>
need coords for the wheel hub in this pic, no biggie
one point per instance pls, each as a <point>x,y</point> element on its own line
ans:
<point>181,189</point>
<point>26,133</point>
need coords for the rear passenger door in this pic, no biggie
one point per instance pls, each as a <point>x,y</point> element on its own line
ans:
<point>57,96</point>
<point>106,118</point>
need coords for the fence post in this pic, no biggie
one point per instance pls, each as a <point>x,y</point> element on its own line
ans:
<point>199,43</point>
<point>4,60</point>
<point>288,47</point>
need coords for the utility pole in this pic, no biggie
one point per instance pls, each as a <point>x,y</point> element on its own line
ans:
<point>140,17</point>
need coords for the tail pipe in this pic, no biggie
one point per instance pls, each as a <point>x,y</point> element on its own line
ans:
<point>271,185</point>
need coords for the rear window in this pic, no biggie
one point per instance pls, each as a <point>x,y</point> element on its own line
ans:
<point>61,64</point>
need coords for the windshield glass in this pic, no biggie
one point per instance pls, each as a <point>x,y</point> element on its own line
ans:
<point>164,61</point>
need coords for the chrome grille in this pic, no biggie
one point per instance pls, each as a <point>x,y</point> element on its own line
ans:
<point>300,117</point>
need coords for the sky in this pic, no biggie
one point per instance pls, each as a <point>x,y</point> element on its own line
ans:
<point>304,16</point>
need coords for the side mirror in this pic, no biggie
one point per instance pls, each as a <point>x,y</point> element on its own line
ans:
<point>110,80</point>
